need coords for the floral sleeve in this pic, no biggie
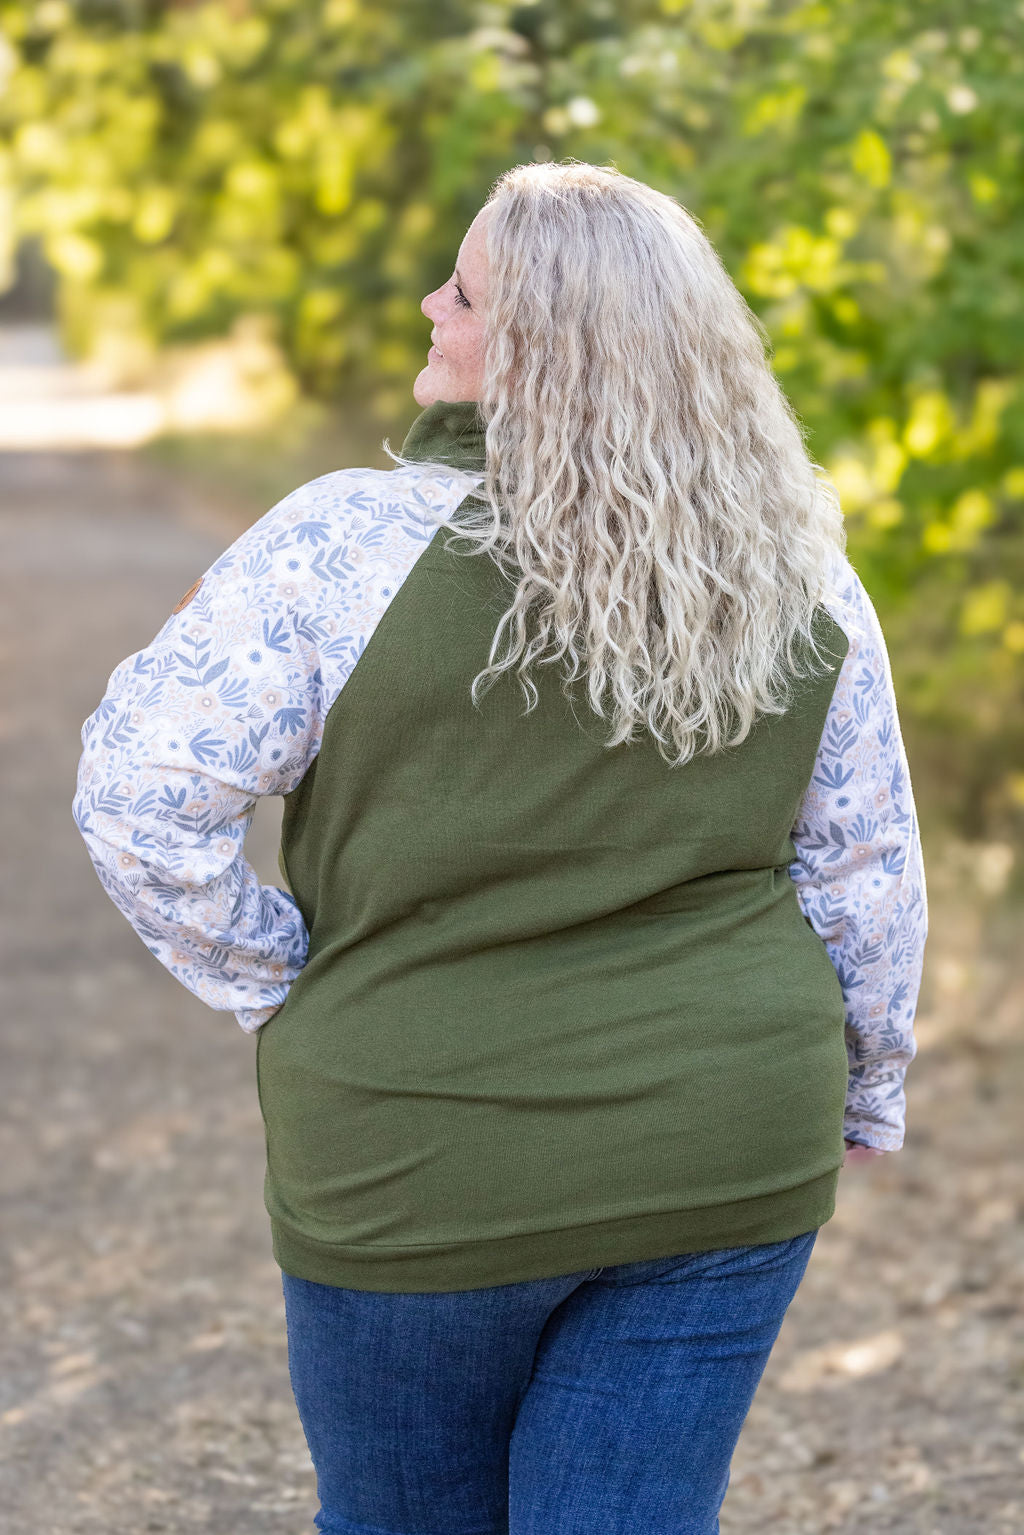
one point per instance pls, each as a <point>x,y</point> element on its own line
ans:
<point>228,703</point>
<point>859,872</point>
<point>223,706</point>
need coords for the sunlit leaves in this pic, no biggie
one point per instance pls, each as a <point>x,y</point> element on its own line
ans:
<point>929,426</point>
<point>777,109</point>
<point>871,158</point>
<point>796,258</point>
<point>315,163</point>
<point>985,609</point>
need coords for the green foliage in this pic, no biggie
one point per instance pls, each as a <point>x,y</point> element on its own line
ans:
<point>856,164</point>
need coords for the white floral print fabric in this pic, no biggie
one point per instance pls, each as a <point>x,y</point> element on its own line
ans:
<point>228,703</point>
<point>859,870</point>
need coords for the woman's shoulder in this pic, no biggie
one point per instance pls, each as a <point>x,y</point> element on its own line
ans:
<point>847,601</point>
<point>355,499</point>
<point>357,508</point>
<point>341,541</point>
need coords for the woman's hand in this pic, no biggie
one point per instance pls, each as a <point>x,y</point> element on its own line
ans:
<point>855,1152</point>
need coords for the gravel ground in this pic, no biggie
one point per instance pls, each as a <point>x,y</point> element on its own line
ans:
<point>143,1372</point>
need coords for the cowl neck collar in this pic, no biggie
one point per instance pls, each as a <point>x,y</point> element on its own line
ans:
<point>448,432</point>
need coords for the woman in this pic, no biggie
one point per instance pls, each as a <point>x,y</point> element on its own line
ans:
<point>582,982</point>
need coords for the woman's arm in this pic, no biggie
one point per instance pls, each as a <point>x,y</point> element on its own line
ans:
<point>859,872</point>
<point>225,705</point>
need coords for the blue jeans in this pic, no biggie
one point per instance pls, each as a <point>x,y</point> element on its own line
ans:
<point>609,1400</point>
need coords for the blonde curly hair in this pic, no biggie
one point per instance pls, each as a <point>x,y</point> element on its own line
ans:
<point>647,485</point>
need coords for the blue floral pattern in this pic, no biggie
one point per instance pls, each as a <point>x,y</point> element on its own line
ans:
<point>228,703</point>
<point>859,870</point>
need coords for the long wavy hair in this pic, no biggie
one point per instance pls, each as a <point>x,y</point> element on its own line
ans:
<point>647,486</point>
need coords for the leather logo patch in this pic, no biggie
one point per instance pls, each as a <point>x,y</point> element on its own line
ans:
<point>188,595</point>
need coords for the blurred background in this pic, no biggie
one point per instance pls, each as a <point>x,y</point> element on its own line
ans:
<point>217,222</point>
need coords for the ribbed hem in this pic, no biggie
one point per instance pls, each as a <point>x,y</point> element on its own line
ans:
<point>546,1254</point>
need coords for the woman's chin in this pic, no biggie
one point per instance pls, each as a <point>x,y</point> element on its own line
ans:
<point>423,390</point>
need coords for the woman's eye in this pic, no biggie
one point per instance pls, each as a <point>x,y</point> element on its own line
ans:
<point>463,300</point>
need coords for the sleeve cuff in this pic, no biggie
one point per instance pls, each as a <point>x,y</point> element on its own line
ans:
<point>252,1019</point>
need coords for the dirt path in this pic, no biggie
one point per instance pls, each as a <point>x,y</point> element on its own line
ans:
<point>143,1374</point>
